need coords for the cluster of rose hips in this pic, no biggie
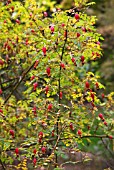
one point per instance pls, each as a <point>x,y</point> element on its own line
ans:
<point>79,132</point>
<point>87,86</point>
<point>34,110</point>
<point>40,135</point>
<point>102,118</point>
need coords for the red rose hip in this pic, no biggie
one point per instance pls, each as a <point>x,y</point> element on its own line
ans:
<point>48,70</point>
<point>35,85</point>
<point>44,50</point>
<point>101,116</point>
<point>17,151</point>
<point>52,29</point>
<point>60,95</point>
<point>12,132</point>
<point>43,150</point>
<point>87,85</point>
<point>34,151</point>
<point>0,91</point>
<point>46,89</point>
<point>77,17</point>
<point>34,161</point>
<point>50,107</point>
<point>62,65</point>
<point>79,132</point>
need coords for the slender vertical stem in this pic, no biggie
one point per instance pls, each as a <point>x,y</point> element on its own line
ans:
<point>59,87</point>
<point>2,165</point>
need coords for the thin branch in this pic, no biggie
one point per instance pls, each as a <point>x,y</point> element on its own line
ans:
<point>54,139</point>
<point>2,165</point>
<point>107,147</point>
<point>7,81</point>
<point>59,88</point>
<point>18,83</point>
<point>34,22</point>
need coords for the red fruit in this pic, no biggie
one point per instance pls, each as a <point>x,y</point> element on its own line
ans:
<point>84,29</point>
<point>87,85</point>
<point>13,43</point>
<point>35,85</point>
<point>88,127</point>
<point>77,17</point>
<point>79,132</point>
<point>62,65</point>
<point>97,85</point>
<point>102,95</point>
<point>93,53</point>
<point>92,96</point>
<point>32,77</point>
<point>105,123</point>
<point>98,42</point>
<point>44,50</point>
<point>50,107</point>
<point>92,104</point>
<point>0,91</point>
<point>60,94</point>
<point>48,70</point>
<point>34,161</point>
<point>1,111</point>
<point>17,151</point>
<point>65,34</point>
<point>12,133</point>
<point>5,44</point>
<point>62,24</point>
<point>12,8</point>
<point>9,1</point>
<point>101,116</point>
<point>34,151</point>
<point>110,137</point>
<point>78,34</point>
<point>31,14</point>
<point>73,59</point>
<point>40,134</point>
<point>82,58</point>
<point>17,21</point>
<point>43,149</point>
<point>97,54</point>
<point>89,30</point>
<point>52,133</point>
<point>34,110</point>
<point>32,31</point>
<point>52,29</point>
<point>36,64</point>
<point>5,21</point>
<point>26,42</point>
<point>71,126</point>
<point>8,47</point>
<point>46,89</point>
<point>45,14</point>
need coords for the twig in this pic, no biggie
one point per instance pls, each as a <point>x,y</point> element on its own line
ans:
<point>107,147</point>
<point>61,57</point>
<point>53,139</point>
<point>18,83</point>
<point>2,165</point>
